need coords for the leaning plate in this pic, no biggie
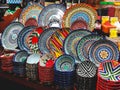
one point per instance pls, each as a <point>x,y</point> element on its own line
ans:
<point>22,38</point>
<point>51,15</point>
<point>80,11</point>
<point>30,11</point>
<point>103,50</point>
<point>10,34</point>
<point>84,45</point>
<point>72,39</point>
<point>43,39</point>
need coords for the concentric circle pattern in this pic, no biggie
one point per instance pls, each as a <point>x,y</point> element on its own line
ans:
<point>103,50</point>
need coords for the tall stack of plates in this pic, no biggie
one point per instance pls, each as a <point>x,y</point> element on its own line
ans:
<point>32,66</point>
<point>19,62</point>
<point>64,71</point>
<point>86,76</point>
<point>109,75</point>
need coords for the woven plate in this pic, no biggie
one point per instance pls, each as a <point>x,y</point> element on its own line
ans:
<point>70,43</point>
<point>84,45</point>
<point>110,71</point>
<point>10,34</point>
<point>51,15</point>
<point>30,11</point>
<point>23,36</point>
<point>80,11</point>
<point>43,39</point>
<point>103,50</point>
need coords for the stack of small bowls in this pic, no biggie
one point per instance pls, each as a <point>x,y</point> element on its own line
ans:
<point>108,75</point>
<point>64,70</point>
<point>19,61</point>
<point>86,76</point>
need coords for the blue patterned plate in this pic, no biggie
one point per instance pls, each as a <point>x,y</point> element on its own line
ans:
<point>71,41</point>
<point>103,50</point>
<point>51,15</point>
<point>84,45</point>
<point>10,34</point>
<point>22,38</point>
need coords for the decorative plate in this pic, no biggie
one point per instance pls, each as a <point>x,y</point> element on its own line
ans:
<point>86,69</point>
<point>84,45</point>
<point>10,34</point>
<point>70,43</point>
<point>33,58</point>
<point>65,63</point>
<point>33,39</point>
<point>23,36</point>
<point>103,50</point>
<point>109,70</point>
<point>43,39</point>
<point>55,42</point>
<point>20,56</point>
<point>31,22</point>
<point>80,11</point>
<point>51,15</point>
<point>30,11</point>
<point>79,24</point>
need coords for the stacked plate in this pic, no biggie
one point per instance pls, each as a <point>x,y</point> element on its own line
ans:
<point>86,76</point>
<point>109,75</point>
<point>64,71</point>
<point>32,66</point>
<point>19,62</point>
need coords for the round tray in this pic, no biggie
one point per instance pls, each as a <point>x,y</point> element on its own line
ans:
<point>70,43</point>
<point>10,34</point>
<point>103,50</point>
<point>80,11</point>
<point>51,15</point>
<point>84,45</point>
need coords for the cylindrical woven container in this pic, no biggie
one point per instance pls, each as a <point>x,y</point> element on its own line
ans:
<point>19,62</point>
<point>86,76</point>
<point>6,62</point>
<point>32,66</point>
<point>108,75</point>
<point>46,74</point>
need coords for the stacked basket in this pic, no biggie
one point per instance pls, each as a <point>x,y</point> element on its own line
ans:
<point>64,71</point>
<point>86,76</point>
<point>19,62</point>
<point>109,76</point>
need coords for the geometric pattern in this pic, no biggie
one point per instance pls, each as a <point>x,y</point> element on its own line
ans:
<point>110,70</point>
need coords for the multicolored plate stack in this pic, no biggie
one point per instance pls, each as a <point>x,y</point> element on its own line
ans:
<point>108,75</point>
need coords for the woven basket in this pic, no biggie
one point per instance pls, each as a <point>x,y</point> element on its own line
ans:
<point>46,74</point>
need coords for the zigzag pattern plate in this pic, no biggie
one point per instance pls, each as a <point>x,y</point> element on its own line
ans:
<point>110,70</point>
<point>84,45</point>
<point>71,41</point>
<point>102,50</point>
<point>86,69</point>
<point>80,11</point>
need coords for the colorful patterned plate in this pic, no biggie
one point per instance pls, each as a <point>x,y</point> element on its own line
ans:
<point>23,36</point>
<point>30,11</point>
<point>10,34</point>
<point>51,15</point>
<point>71,41</point>
<point>110,71</point>
<point>80,11</point>
<point>43,39</point>
<point>103,50</point>
<point>84,45</point>
<point>33,39</point>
